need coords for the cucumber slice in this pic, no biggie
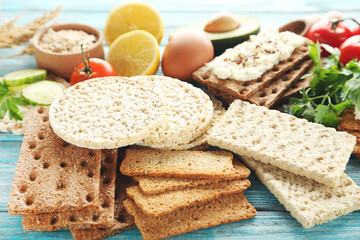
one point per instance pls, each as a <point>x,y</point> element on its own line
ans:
<point>25,76</point>
<point>18,89</point>
<point>42,93</point>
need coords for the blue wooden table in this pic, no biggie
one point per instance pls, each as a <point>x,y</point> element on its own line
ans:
<point>272,220</point>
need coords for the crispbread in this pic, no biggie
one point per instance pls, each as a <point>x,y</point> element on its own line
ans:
<point>244,89</point>
<point>348,121</point>
<point>122,220</point>
<point>310,202</point>
<point>201,141</point>
<point>107,112</point>
<point>155,185</point>
<point>292,144</point>
<point>224,209</point>
<point>164,203</point>
<point>101,217</point>
<point>52,175</point>
<point>180,164</point>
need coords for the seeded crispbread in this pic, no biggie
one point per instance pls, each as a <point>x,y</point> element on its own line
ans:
<point>179,164</point>
<point>188,114</point>
<point>245,89</point>
<point>310,202</point>
<point>292,144</point>
<point>200,143</point>
<point>155,185</point>
<point>122,220</point>
<point>101,217</point>
<point>52,175</point>
<point>225,209</point>
<point>107,112</point>
<point>163,203</point>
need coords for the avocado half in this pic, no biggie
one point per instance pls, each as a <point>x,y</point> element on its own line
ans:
<point>222,41</point>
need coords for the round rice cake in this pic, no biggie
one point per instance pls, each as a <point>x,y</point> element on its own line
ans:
<point>107,112</point>
<point>188,113</point>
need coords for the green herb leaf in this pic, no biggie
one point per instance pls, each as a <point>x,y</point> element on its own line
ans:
<point>326,115</point>
<point>9,103</point>
<point>13,108</point>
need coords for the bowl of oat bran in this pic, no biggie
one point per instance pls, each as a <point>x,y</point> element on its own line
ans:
<point>58,50</point>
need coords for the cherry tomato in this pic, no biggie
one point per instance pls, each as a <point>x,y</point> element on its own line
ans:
<point>350,49</point>
<point>322,31</point>
<point>356,30</point>
<point>97,68</point>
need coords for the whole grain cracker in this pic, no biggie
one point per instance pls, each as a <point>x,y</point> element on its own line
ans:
<point>155,185</point>
<point>225,209</point>
<point>107,112</point>
<point>180,164</point>
<point>101,217</point>
<point>164,203</point>
<point>189,112</point>
<point>52,175</point>
<point>292,144</point>
<point>310,202</point>
<point>122,220</point>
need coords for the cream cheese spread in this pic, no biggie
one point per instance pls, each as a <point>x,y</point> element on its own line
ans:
<point>251,59</point>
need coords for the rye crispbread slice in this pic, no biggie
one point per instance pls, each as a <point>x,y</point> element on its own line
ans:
<point>179,164</point>
<point>156,185</point>
<point>164,203</point>
<point>292,144</point>
<point>270,94</point>
<point>348,121</point>
<point>101,217</point>
<point>310,202</point>
<point>245,89</point>
<point>225,209</point>
<point>52,175</point>
<point>122,219</point>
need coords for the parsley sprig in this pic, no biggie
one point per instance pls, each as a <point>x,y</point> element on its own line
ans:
<point>9,103</point>
<point>333,88</point>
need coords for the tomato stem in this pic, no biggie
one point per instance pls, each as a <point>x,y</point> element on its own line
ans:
<point>334,24</point>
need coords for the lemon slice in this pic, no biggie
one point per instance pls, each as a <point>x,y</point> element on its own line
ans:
<point>133,16</point>
<point>134,53</point>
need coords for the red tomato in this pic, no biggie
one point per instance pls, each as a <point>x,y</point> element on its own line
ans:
<point>96,68</point>
<point>350,49</point>
<point>356,30</point>
<point>322,32</point>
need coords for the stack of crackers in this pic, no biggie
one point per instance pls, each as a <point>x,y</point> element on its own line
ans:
<point>282,81</point>
<point>350,125</point>
<point>58,185</point>
<point>182,191</point>
<point>302,163</point>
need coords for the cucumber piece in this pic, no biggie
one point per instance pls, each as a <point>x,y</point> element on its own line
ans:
<point>25,76</point>
<point>42,93</point>
<point>18,89</point>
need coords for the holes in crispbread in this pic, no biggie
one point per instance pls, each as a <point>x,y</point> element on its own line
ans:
<point>95,217</point>
<point>32,145</point>
<point>36,156</point>
<point>61,186</point>
<point>63,165</point>
<point>46,165</point>
<point>273,91</point>
<point>41,136</point>
<point>32,176</point>
<point>89,198</point>
<point>246,83</point>
<point>90,175</point>
<point>72,218</point>
<point>83,164</point>
<point>262,103</point>
<point>54,220</point>
<point>23,188</point>
<point>40,110</point>
<point>276,68</point>
<point>105,204</point>
<point>45,119</point>
<point>65,144</point>
<point>29,201</point>
<point>262,94</point>
<point>91,153</point>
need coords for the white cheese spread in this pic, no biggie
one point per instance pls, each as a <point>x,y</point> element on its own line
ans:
<point>251,59</point>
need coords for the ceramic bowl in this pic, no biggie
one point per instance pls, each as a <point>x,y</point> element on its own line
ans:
<point>63,64</point>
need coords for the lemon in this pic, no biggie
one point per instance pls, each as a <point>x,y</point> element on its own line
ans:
<point>133,16</point>
<point>134,53</point>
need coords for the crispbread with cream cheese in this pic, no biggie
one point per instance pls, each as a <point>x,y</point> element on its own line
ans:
<point>107,112</point>
<point>189,112</point>
<point>53,175</point>
<point>100,217</point>
<point>180,164</point>
<point>310,202</point>
<point>163,203</point>
<point>292,144</point>
<point>225,209</point>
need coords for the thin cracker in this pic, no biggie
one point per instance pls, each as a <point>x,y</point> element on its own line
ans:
<point>52,175</point>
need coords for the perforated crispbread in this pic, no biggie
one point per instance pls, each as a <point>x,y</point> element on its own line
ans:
<point>310,202</point>
<point>188,112</point>
<point>163,203</point>
<point>180,164</point>
<point>155,185</point>
<point>293,144</point>
<point>101,217</point>
<point>243,90</point>
<point>107,112</point>
<point>52,175</point>
<point>122,220</point>
<point>225,209</point>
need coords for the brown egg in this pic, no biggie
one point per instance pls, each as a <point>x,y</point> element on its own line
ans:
<point>186,52</point>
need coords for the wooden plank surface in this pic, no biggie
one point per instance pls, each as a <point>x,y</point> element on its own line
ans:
<point>272,220</point>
